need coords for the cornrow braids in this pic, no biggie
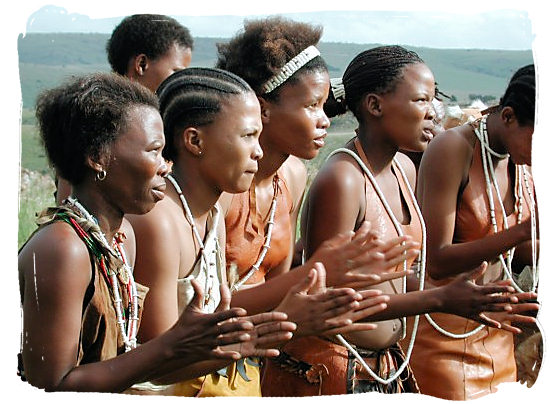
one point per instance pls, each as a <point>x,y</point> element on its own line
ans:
<point>375,70</point>
<point>520,95</point>
<point>193,97</point>
<point>264,46</point>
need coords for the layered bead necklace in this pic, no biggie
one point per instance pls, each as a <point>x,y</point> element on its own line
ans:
<point>490,182</point>
<point>202,251</point>
<point>128,328</point>
<point>267,240</point>
<point>422,264</point>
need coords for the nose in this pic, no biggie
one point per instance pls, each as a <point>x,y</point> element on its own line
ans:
<point>164,167</point>
<point>257,153</point>
<point>430,113</point>
<point>323,122</point>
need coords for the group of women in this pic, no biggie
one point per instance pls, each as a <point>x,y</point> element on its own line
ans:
<point>192,196</point>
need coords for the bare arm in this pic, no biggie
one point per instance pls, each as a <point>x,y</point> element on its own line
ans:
<point>438,191</point>
<point>55,277</point>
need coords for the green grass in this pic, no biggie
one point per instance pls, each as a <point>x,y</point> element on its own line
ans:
<point>35,195</point>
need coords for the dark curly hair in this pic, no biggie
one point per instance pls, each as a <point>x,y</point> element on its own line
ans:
<point>376,70</point>
<point>83,117</point>
<point>150,34</point>
<point>520,95</point>
<point>264,46</point>
<point>193,97</point>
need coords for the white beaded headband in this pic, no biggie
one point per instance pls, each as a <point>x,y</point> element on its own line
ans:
<point>291,67</point>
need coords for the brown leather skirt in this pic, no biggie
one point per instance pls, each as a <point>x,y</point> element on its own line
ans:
<point>313,366</point>
<point>460,369</point>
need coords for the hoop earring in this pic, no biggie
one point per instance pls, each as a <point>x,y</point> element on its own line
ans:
<point>100,175</point>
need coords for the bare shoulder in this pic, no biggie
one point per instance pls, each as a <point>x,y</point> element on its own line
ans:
<point>408,167</point>
<point>295,174</point>
<point>56,254</point>
<point>454,143</point>
<point>341,177</point>
<point>158,221</point>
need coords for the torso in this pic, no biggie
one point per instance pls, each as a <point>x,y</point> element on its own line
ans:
<point>246,230</point>
<point>401,204</point>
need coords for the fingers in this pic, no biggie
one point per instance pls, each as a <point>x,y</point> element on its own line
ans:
<point>484,319</point>
<point>362,281</point>
<point>351,328</point>
<point>525,307</point>
<point>477,272</point>
<point>198,297</point>
<point>267,317</point>
<point>226,315</point>
<point>225,302</point>
<point>320,284</point>
<point>369,307</point>
<point>492,288</point>
<point>219,353</point>
<point>305,284</point>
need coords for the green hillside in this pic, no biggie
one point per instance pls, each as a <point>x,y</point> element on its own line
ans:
<point>45,59</point>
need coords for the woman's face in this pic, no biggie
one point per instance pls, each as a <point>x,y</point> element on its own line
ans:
<point>407,111</point>
<point>177,58</point>
<point>297,123</point>
<point>231,147</point>
<point>136,168</point>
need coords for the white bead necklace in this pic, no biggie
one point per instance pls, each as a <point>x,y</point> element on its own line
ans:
<point>127,329</point>
<point>270,223</point>
<point>189,216</point>
<point>490,179</point>
<point>422,269</point>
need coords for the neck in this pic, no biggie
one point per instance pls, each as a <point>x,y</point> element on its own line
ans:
<point>200,195</point>
<point>379,151</point>
<point>271,161</point>
<point>108,215</point>
<point>493,126</point>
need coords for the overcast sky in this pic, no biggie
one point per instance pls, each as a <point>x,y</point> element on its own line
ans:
<point>445,28</point>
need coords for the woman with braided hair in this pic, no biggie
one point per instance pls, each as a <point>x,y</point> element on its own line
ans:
<point>212,125</point>
<point>81,305</point>
<point>390,91</point>
<point>478,205</point>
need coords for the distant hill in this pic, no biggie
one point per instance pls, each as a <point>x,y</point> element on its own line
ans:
<point>46,59</point>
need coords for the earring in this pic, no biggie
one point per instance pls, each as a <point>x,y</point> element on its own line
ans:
<point>100,175</point>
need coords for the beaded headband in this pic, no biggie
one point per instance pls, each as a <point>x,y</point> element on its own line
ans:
<point>338,89</point>
<point>291,67</point>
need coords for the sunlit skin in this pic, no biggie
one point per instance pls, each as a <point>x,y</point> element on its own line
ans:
<point>397,119</point>
<point>55,273</point>
<point>506,135</point>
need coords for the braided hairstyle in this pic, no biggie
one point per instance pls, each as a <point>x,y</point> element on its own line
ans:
<point>193,97</point>
<point>264,46</point>
<point>520,95</point>
<point>150,34</point>
<point>376,70</point>
<point>84,116</point>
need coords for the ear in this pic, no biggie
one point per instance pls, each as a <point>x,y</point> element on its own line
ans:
<point>372,103</point>
<point>96,166</point>
<point>192,140</point>
<point>508,116</point>
<point>139,64</point>
<point>265,110</point>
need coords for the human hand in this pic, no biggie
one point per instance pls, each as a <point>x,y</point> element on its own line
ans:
<point>198,335</point>
<point>271,330</point>
<point>522,312</point>
<point>464,298</point>
<point>317,310</point>
<point>359,259</point>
